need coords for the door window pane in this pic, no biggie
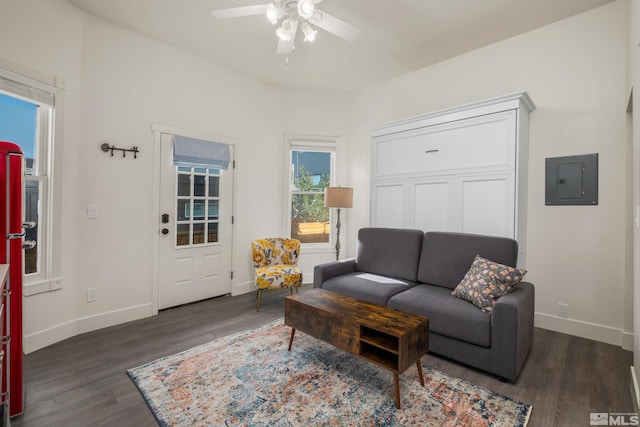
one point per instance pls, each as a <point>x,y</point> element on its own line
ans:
<point>213,209</point>
<point>214,186</point>
<point>213,232</point>
<point>182,234</point>
<point>198,209</point>
<point>184,185</point>
<point>183,212</point>
<point>198,233</point>
<point>198,185</point>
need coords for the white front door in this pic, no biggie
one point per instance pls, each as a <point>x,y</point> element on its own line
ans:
<point>195,228</point>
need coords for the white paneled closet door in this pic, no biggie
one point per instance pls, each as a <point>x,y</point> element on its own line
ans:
<point>388,199</point>
<point>461,169</point>
<point>433,203</point>
<point>487,204</point>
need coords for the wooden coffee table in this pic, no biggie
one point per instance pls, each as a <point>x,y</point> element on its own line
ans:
<point>385,336</point>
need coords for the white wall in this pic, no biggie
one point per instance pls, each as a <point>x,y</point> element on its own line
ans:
<point>574,70</point>
<point>119,83</point>
<point>633,82</point>
<point>141,82</point>
<point>47,37</point>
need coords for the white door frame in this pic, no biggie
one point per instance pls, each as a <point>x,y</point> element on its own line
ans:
<point>158,130</point>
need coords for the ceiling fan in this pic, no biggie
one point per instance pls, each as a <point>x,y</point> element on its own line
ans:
<point>288,15</point>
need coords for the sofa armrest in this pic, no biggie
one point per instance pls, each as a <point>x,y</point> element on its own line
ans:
<point>328,270</point>
<point>512,330</point>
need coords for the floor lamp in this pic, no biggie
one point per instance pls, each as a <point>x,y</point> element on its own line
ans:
<point>338,197</point>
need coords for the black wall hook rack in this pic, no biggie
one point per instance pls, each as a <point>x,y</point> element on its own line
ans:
<point>106,148</point>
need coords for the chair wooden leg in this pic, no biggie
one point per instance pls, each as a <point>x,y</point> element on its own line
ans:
<point>259,298</point>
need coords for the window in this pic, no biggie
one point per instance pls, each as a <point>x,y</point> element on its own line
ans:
<point>311,170</point>
<point>19,124</point>
<point>27,117</point>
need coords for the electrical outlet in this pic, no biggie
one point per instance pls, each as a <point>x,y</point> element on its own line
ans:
<point>92,294</point>
<point>563,310</point>
<point>93,212</point>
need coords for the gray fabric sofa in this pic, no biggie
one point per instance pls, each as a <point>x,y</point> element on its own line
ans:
<point>416,272</point>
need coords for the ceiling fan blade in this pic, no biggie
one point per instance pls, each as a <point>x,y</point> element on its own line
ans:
<point>286,46</point>
<point>236,12</point>
<point>335,25</point>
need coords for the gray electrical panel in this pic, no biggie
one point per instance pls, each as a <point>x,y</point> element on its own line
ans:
<point>572,180</point>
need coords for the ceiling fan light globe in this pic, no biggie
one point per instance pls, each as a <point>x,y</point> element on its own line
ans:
<point>282,35</point>
<point>306,8</point>
<point>309,33</point>
<point>272,14</point>
<point>284,31</point>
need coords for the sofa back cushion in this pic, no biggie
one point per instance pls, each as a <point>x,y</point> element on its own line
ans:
<point>391,252</point>
<point>446,257</point>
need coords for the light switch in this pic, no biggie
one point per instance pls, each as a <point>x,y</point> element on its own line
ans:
<point>92,211</point>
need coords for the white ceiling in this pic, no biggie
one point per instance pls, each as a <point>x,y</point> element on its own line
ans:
<point>398,36</point>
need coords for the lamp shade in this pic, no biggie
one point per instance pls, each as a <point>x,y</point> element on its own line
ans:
<point>338,197</point>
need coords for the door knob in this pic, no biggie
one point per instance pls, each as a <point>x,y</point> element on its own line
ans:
<point>165,231</point>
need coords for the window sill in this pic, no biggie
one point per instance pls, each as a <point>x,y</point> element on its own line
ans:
<point>41,286</point>
<point>315,248</point>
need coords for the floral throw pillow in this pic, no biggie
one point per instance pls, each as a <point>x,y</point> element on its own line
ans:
<point>486,281</point>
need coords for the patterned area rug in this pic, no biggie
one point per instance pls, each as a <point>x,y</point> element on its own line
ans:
<point>250,379</point>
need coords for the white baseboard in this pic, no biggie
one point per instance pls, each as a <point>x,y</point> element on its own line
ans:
<point>54,334</point>
<point>242,288</point>
<point>582,329</point>
<point>627,341</point>
<point>635,392</point>
<point>115,317</point>
<point>46,337</point>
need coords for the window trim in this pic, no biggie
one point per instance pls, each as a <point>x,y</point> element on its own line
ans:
<point>50,277</point>
<point>310,143</point>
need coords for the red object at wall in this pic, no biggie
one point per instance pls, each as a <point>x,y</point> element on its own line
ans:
<point>11,252</point>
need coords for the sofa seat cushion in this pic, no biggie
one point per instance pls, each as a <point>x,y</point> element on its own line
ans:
<point>367,287</point>
<point>448,315</point>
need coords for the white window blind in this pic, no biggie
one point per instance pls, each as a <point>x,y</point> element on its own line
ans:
<point>191,152</point>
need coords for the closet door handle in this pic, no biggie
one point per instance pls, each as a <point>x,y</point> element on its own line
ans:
<point>431,151</point>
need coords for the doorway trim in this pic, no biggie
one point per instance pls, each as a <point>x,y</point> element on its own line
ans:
<point>158,130</point>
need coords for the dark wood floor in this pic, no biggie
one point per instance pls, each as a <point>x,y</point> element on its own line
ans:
<point>82,381</point>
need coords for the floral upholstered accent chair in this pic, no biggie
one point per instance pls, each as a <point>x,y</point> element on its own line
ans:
<point>276,262</point>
